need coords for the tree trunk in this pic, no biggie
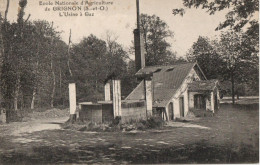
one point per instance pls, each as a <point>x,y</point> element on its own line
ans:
<point>36,81</point>
<point>237,96</point>
<point>6,10</point>
<point>2,52</point>
<point>60,85</point>
<point>16,92</point>
<point>20,32</point>
<point>16,101</point>
<point>33,98</point>
<point>232,88</point>
<point>68,62</point>
<point>1,56</point>
<point>22,101</point>
<point>54,83</point>
<point>2,43</point>
<point>52,70</point>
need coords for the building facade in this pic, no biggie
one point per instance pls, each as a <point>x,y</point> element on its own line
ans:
<point>178,89</point>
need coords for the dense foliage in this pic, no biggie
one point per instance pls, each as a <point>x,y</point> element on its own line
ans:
<point>237,48</point>
<point>36,65</point>
<point>240,12</point>
<point>155,33</point>
<point>233,59</point>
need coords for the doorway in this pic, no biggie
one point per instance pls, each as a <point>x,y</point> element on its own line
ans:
<point>171,112</point>
<point>199,101</point>
<point>216,102</point>
<point>181,102</point>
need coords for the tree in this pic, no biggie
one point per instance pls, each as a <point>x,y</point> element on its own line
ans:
<point>250,50</point>
<point>46,62</point>
<point>40,35</point>
<point>204,53</point>
<point>20,38</point>
<point>237,48</point>
<point>241,12</point>
<point>116,56</point>
<point>25,73</point>
<point>155,33</point>
<point>129,81</point>
<point>13,39</point>
<point>93,60</point>
<point>237,58</point>
<point>180,60</point>
<point>116,61</point>
<point>87,64</point>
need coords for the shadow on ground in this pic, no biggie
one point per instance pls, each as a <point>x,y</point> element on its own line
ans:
<point>193,153</point>
<point>233,137</point>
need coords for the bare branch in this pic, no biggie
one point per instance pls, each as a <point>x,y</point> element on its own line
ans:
<point>68,62</point>
<point>27,18</point>
<point>6,10</point>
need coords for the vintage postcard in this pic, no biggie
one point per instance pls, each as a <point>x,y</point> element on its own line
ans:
<point>129,81</point>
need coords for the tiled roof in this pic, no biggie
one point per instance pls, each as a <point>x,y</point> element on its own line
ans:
<point>166,80</point>
<point>205,85</point>
<point>137,93</point>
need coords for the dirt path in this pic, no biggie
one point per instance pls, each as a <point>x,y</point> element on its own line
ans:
<point>19,128</point>
<point>231,136</point>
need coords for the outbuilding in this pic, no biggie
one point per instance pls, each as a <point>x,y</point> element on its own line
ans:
<point>178,89</point>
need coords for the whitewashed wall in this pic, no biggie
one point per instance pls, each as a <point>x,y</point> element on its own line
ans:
<point>208,102</point>
<point>183,92</point>
<point>191,99</point>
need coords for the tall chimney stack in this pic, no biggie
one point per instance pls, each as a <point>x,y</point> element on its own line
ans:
<point>138,14</point>
<point>139,44</point>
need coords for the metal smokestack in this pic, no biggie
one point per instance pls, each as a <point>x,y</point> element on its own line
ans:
<point>138,14</point>
<point>139,44</point>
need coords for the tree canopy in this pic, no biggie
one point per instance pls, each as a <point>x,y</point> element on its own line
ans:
<point>240,14</point>
<point>93,60</point>
<point>155,33</point>
<point>233,58</point>
<point>204,53</point>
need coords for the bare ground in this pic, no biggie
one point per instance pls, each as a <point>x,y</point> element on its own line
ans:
<point>231,136</point>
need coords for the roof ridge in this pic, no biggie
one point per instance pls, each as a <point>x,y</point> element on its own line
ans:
<point>171,64</point>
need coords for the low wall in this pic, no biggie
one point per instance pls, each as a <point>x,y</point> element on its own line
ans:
<point>133,111</point>
<point>107,112</point>
<point>91,113</point>
<point>102,112</point>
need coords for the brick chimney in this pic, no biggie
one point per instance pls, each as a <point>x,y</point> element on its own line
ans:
<point>139,43</point>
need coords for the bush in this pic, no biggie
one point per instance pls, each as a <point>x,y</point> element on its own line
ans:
<point>155,122</point>
<point>140,126</point>
<point>14,116</point>
<point>115,121</point>
<point>116,125</point>
<point>202,113</point>
<point>152,122</point>
<point>181,120</point>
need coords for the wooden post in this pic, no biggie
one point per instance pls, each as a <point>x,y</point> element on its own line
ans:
<point>72,99</point>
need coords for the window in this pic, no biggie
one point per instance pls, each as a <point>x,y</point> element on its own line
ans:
<point>157,70</point>
<point>170,69</point>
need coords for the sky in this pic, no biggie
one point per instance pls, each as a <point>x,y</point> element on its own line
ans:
<point>120,19</point>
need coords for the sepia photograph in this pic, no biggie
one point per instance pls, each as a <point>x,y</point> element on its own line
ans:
<point>129,82</point>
